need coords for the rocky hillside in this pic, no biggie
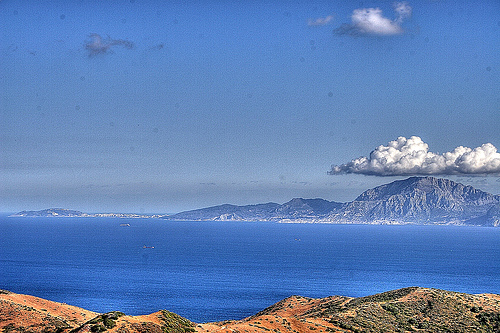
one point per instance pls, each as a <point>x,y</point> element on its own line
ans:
<point>490,219</point>
<point>294,209</point>
<point>418,200</point>
<point>225,212</point>
<point>411,309</point>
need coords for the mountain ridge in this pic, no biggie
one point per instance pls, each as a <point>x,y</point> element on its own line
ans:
<point>410,309</point>
<point>415,200</point>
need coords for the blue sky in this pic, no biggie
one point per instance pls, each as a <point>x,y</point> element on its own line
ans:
<point>163,106</point>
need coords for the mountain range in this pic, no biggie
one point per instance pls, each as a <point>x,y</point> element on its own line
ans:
<point>415,200</point>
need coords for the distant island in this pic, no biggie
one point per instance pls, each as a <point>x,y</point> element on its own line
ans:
<point>412,309</point>
<point>61,212</point>
<point>415,200</point>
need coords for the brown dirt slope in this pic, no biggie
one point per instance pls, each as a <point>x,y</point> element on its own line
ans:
<point>158,322</point>
<point>23,313</point>
<point>411,309</point>
<point>404,310</point>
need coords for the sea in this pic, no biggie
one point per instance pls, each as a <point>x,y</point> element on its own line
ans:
<point>213,271</point>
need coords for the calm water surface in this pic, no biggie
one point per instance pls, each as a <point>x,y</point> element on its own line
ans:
<point>209,271</point>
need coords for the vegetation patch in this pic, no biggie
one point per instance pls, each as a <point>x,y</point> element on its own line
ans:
<point>173,323</point>
<point>103,322</point>
<point>383,297</point>
<point>489,320</point>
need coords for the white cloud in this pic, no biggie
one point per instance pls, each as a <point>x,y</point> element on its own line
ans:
<point>412,157</point>
<point>99,45</point>
<point>320,21</point>
<point>370,21</point>
<point>403,10</point>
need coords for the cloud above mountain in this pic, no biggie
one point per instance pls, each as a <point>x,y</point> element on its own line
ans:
<point>96,44</point>
<point>411,156</point>
<point>371,22</point>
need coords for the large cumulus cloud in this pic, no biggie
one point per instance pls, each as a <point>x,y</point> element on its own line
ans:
<point>370,21</point>
<point>412,157</point>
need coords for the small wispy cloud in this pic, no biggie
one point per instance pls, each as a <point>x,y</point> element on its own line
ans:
<point>411,156</point>
<point>96,44</point>
<point>403,11</point>
<point>157,47</point>
<point>321,21</point>
<point>371,22</point>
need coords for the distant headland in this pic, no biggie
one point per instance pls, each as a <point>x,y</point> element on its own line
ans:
<point>61,212</point>
<point>415,200</point>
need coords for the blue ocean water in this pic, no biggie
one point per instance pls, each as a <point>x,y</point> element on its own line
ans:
<point>208,271</point>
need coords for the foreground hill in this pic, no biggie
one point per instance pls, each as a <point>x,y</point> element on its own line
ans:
<point>417,200</point>
<point>411,309</point>
<point>23,313</point>
<point>19,313</point>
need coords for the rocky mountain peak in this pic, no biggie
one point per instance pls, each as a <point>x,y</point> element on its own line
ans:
<point>428,188</point>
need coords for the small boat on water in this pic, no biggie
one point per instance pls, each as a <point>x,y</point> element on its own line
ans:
<point>125,225</point>
<point>148,247</point>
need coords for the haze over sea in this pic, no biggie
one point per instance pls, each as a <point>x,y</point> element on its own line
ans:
<point>208,271</point>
